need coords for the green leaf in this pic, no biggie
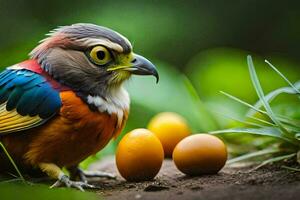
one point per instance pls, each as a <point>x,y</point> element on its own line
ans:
<point>244,103</point>
<point>272,95</point>
<point>291,168</point>
<point>261,96</point>
<point>280,74</point>
<point>288,120</point>
<point>262,121</point>
<point>276,159</point>
<point>292,129</point>
<point>253,155</point>
<point>240,120</point>
<point>268,131</point>
<point>283,119</point>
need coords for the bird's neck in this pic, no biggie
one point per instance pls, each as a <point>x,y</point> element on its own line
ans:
<point>116,101</point>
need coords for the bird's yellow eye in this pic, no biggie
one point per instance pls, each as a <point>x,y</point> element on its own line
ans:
<point>100,55</point>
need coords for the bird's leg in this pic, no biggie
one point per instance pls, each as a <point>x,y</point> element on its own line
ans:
<point>77,173</point>
<point>56,173</point>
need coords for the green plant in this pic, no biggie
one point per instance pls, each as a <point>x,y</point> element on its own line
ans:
<point>261,120</point>
<point>12,162</point>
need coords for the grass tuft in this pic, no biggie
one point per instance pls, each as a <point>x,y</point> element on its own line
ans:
<point>261,120</point>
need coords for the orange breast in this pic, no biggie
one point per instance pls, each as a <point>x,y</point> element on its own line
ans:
<point>74,135</point>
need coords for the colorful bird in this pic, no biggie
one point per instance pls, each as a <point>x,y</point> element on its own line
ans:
<point>67,101</point>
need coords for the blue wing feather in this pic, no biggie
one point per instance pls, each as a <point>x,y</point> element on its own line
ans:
<point>13,98</point>
<point>7,77</point>
<point>4,96</point>
<point>29,93</point>
<point>4,73</point>
<point>41,96</point>
<point>33,83</point>
<point>48,105</point>
<point>32,107</point>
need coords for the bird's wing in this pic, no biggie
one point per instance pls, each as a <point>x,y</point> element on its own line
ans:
<point>27,100</point>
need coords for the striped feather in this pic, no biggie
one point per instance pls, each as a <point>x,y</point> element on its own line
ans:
<point>11,121</point>
<point>27,100</point>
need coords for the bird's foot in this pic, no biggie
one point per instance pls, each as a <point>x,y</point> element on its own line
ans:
<point>65,181</point>
<point>77,174</point>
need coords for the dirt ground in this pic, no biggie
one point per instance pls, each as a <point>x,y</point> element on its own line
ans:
<point>233,182</point>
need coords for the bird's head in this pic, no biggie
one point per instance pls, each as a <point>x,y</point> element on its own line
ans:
<point>90,58</point>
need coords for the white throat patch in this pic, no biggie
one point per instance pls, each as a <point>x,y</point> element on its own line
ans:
<point>116,102</point>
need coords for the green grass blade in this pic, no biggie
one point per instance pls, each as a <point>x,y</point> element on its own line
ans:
<point>240,120</point>
<point>268,131</point>
<point>291,168</point>
<point>12,180</point>
<point>280,74</point>
<point>276,159</point>
<point>244,103</point>
<point>292,129</point>
<point>12,162</point>
<point>288,120</point>
<point>262,121</point>
<point>281,118</point>
<point>261,96</point>
<point>252,155</point>
<point>201,106</point>
<point>270,96</point>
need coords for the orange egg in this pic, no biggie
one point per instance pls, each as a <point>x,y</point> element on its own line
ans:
<point>139,155</point>
<point>200,154</point>
<point>170,128</point>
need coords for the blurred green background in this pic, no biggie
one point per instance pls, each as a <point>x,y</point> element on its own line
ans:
<point>206,40</point>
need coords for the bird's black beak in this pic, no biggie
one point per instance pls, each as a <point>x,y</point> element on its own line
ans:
<point>142,66</point>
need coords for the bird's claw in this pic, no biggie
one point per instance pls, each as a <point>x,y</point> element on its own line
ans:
<point>65,181</point>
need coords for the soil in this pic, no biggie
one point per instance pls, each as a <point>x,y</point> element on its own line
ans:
<point>232,182</point>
